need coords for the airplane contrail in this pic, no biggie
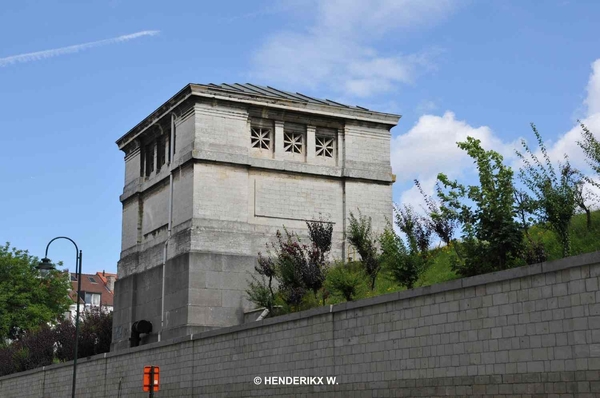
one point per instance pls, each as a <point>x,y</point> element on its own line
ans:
<point>39,55</point>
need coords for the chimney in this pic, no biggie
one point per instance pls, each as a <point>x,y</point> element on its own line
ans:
<point>110,282</point>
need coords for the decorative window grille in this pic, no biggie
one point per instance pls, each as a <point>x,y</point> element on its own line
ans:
<point>260,138</point>
<point>324,146</point>
<point>293,142</point>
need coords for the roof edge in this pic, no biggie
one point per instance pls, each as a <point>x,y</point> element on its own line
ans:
<point>206,91</point>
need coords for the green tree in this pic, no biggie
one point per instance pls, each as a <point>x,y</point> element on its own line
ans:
<point>553,193</point>
<point>404,264</point>
<point>27,300</point>
<point>360,235</point>
<point>441,224</point>
<point>415,227</point>
<point>492,238</point>
<point>591,148</point>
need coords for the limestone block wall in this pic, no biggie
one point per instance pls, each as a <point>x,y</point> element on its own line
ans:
<point>527,332</point>
<point>221,129</point>
<point>372,200</point>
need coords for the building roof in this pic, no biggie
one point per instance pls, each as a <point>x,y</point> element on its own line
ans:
<point>261,96</point>
<point>104,275</point>
<point>266,91</point>
<point>93,283</point>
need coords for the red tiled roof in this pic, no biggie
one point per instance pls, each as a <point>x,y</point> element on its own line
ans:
<point>102,275</point>
<point>88,286</point>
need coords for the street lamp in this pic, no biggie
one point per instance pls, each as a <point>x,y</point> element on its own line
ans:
<point>45,267</point>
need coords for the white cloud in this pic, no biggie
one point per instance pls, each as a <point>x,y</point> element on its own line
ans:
<point>361,19</point>
<point>430,147</point>
<point>336,50</point>
<point>593,90</point>
<point>567,143</point>
<point>413,196</point>
<point>55,52</point>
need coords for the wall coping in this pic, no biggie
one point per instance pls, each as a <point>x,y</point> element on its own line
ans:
<point>479,280</point>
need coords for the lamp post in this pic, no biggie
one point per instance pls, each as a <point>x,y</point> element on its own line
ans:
<point>46,266</point>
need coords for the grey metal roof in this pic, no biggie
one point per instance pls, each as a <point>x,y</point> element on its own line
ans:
<point>267,91</point>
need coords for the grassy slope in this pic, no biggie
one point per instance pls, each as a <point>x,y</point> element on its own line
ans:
<point>582,241</point>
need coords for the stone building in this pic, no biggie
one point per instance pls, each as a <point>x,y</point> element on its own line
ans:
<point>209,178</point>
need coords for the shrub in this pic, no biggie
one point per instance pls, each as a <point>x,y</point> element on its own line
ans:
<point>361,237</point>
<point>404,265</point>
<point>297,268</point>
<point>345,280</point>
<point>554,193</point>
<point>492,239</point>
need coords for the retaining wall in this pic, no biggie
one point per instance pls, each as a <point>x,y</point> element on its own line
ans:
<point>527,332</point>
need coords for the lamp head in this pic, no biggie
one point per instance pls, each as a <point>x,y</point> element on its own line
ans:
<point>45,266</point>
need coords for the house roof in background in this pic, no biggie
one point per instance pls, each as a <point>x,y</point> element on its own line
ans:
<point>93,283</point>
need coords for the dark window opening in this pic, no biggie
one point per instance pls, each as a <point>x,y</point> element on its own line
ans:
<point>149,159</point>
<point>161,156</point>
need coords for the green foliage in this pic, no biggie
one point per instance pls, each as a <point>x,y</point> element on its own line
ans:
<point>591,148</point>
<point>582,239</point>
<point>260,293</point>
<point>48,344</point>
<point>441,266</point>
<point>361,237</point>
<point>95,334</point>
<point>415,228</point>
<point>346,281</point>
<point>64,335</point>
<point>295,267</point>
<point>492,239</point>
<point>437,221</point>
<point>403,264</point>
<point>35,349</point>
<point>27,300</point>
<point>553,193</point>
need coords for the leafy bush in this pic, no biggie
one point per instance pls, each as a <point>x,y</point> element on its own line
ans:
<point>44,345</point>
<point>37,348</point>
<point>296,268</point>
<point>438,222</point>
<point>345,280</point>
<point>96,333</point>
<point>492,238</point>
<point>8,359</point>
<point>64,335</point>
<point>260,293</point>
<point>360,235</point>
<point>554,193</point>
<point>404,265</point>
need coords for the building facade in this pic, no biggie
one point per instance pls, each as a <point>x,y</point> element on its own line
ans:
<point>97,293</point>
<point>212,174</point>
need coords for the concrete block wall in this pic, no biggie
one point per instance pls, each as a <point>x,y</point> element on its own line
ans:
<point>527,332</point>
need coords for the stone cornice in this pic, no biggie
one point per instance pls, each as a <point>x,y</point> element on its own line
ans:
<point>202,91</point>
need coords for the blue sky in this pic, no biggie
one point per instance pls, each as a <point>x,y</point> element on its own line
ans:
<point>450,68</point>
